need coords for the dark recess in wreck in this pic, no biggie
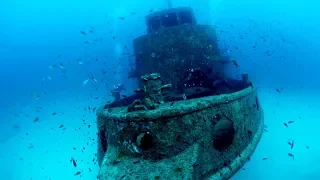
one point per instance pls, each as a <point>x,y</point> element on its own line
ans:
<point>103,140</point>
<point>145,141</point>
<point>223,134</point>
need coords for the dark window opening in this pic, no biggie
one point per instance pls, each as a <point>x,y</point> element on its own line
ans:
<point>185,17</point>
<point>154,23</point>
<point>169,19</point>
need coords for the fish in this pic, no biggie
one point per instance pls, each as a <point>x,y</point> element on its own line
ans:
<point>85,82</point>
<point>77,173</point>
<point>95,80</point>
<point>289,122</point>
<point>30,146</point>
<point>133,13</point>
<point>80,63</point>
<point>264,159</point>
<point>83,33</point>
<point>235,63</point>
<point>122,18</point>
<point>292,144</point>
<point>54,113</point>
<point>35,96</point>
<point>61,126</point>
<point>307,147</point>
<point>278,90</point>
<point>119,87</point>
<point>86,42</point>
<point>184,97</point>
<point>291,155</point>
<point>36,119</point>
<point>94,109</point>
<point>73,162</point>
<point>124,96</point>
<point>91,31</point>
<point>285,124</point>
<point>171,103</point>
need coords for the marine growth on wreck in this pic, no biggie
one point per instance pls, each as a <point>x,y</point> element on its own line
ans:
<point>187,120</point>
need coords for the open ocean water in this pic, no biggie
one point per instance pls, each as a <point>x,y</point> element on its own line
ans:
<point>59,60</point>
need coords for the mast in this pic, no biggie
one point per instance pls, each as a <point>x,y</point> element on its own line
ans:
<point>169,3</point>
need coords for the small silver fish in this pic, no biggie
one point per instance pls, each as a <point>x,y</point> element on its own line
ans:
<point>35,96</point>
<point>85,82</point>
<point>184,97</point>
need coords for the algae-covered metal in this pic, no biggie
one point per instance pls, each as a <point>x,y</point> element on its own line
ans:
<point>173,51</point>
<point>209,137</point>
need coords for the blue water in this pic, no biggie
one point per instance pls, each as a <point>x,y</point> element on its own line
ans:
<point>275,41</point>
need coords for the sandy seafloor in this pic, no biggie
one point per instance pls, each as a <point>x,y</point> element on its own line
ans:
<point>42,150</point>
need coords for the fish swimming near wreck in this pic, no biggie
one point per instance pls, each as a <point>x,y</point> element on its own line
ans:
<point>291,155</point>
<point>85,82</point>
<point>83,33</point>
<point>119,87</point>
<point>35,96</point>
<point>73,162</point>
